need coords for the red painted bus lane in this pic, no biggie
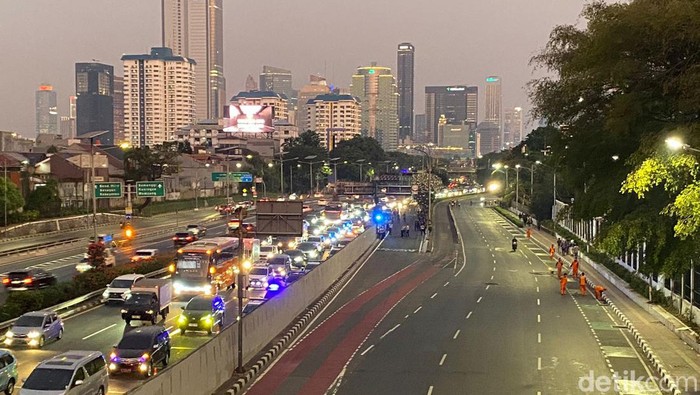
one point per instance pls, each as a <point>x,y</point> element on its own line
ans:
<point>279,372</point>
<point>337,359</point>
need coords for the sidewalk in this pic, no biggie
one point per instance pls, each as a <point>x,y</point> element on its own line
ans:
<point>660,330</point>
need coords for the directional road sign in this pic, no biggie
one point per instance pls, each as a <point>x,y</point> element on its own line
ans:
<point>232,176</point>
<point>105,190</point>
<point>150,189</point>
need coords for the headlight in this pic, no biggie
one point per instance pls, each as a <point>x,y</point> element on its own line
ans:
<point>112,366</point>
<point>9,334</point>
<point>149,311</point>
<point>124,311</point>
<point>182,319</point>
<point>105,294</point>
<point>33,334</point>
<point>206,318</point>
<point>313,254</point>
<point>298,259</point>
<point>283,272</point>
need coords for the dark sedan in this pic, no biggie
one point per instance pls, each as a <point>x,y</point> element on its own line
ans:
<point>22,280</point>
<point>298,258</point>
<point>183,238</point>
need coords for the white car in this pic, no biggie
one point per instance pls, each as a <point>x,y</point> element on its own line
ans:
<point>83,266</point>
<point>144,255</point>
<point>258,277</point>
<point>120,287</point>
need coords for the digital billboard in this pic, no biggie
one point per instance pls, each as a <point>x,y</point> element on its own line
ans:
<point>246,118</point>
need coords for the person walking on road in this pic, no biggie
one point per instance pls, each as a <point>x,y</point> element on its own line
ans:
<point>560,265</point>
<point>552,251</point>
<point>574,267</point>
<point>562,283</point>
<point>582,283</point>
<point>528,233</point>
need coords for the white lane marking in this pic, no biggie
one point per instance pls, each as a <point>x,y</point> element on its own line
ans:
<point>446,284</point>
<point>442,360</point>
<point>539,338</point>
<point>538,301</point>
<point>367,350</point>
<point>491,277</point>
<point>100,331</point>
<point>479,300</point>
<point>539,318</point>
<point>456,334</point>
<point>417,310</point>
<point>469,315</point>
<point>487,287</point>
<point>389,331</point>
<point>539,363</point>
<point>536,279</point>
<point>494,261</point>
<point>538,289</point>
<point>494,268</point>
<point>406,316</point>
<point>430,390</point>
<point>434,295</point>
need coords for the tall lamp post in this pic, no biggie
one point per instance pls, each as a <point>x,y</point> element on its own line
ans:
<point>311,169</point>
<point>92,136</point>
<point>334,161</point>
<point>517,186</point>
<point>282,174</point>
<point>360,162</point>
<point>4,167</point>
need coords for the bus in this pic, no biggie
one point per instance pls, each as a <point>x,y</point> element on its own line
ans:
<point>206,266</point>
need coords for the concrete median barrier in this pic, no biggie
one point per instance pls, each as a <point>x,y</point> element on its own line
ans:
<point>210,366</point>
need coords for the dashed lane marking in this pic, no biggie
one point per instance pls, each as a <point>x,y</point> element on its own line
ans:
<point>479,300</point>
<point>487,287</point>
<point>442,360</point>
<point>417,310</point>
<point>434,295</point>
<point>469,315</point>
<point>367,350</point>
<point>456,334</point>
<point>539,318</point>
<point>389,331</point>
<point>446,284</point>
<point>539,338</point>
<point>430,390</point>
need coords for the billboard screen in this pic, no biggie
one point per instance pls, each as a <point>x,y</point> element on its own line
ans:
<point>246,118</point>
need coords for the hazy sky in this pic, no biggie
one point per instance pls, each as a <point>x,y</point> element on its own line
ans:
<point>457,42</point>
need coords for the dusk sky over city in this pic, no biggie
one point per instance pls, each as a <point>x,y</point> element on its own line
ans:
<point>459,42</point>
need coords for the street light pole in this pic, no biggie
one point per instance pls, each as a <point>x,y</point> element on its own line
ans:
<point>532,181</point>
<point>4,166</point>
<point>92,183</point>
<point>517,185</point>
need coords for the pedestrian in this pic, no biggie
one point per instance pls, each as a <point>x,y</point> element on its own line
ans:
<point>422,229</point>
<point>575,250</point>
<point>562,283</point>
<point>551,251</point>
<point>574,268</point>
<point>408,231</point>
<point>599,289</point>
<point>582,283</point>
<point>560,265</point>
<point>528,233</point>
<point>559,244</point>
<point>539,225</point>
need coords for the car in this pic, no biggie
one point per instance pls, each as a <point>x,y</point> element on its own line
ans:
<point>310,250</point>
<point>258,277</point>
<point>298,259</point>
<point>280,265</point>
<point>84,264</point>
<point>202,312</point>
<point>294,276</point>
<point>322,202</point>
<point>140,349</point>
<point>267,251</point>
<point>183,238</point>
<point>22,280</point>
<point>8,371</point>
<point>293,196</point>
<point>249,227</point>
<point>321,241</point>
<point>35,329</point>
<point>144,255</point>
<point>306,209</point>
<point>73,372</point>
<point>251,305</point>
<point>120,287</point>
<point>197,230</point>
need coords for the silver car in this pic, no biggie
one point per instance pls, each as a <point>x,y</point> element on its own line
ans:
<point>70,373</point>
<point>8,371</point>
<point>34,329</point>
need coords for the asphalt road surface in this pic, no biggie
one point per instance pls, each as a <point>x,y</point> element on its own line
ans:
<point>473,317</point>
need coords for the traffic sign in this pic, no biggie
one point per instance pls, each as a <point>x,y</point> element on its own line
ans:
<point>232,176</point>
<point>150,189</point>
<point>105,190</point>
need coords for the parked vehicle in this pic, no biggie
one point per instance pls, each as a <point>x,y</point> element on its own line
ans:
<point>149,297</point>
<point>70,373</point>
<point>203,312</point>
<point>120,287</point>
<point>35,329</point>
<point>139,350</point>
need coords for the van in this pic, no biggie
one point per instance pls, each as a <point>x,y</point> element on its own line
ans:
<point>70,373</point>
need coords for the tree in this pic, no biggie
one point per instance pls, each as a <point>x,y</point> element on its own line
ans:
<point>359,147</point>
<point>10,196</point>
<point>307,144</point>
<point>45,199</point>
<point>149,164</point>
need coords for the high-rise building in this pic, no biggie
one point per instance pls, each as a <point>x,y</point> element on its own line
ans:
<point>376,89</point>
<point>317,86</point>
<point>488,137</point>
<point>450,101</point>
<point>419,129</point>
<point>494,106</point>
<point>404,77</point>
<point>278,102</point>
<point>46,110</point>
<point>334,118</point>
<point>512,126</point>
<point>472,106</point>
<point>158,96</point>
<point>250,84</point>
<point>94,88</point>
<point>194,29</point>
<point>275,79</point>
<point>68,123</point>
<point>455,136</point>
<point>118,109</point>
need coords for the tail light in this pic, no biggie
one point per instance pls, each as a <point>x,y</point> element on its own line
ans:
<point>28,280</point>
<point>189,238</point>
<point>5,280</point>
<point>175,238</point>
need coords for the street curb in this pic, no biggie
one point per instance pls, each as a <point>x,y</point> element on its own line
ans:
<point>272,353</point>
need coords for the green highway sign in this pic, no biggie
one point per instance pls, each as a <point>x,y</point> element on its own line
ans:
<point>105,190</point>
<point>232,176</point>
<point>150,189</point>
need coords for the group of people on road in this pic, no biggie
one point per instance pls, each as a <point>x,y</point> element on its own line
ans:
<point>567,247</point>
<point>581,278</point>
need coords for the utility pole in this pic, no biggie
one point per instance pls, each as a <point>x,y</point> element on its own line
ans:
<point>93,186</point>
<point>239,285</point>
<point>4,166</point>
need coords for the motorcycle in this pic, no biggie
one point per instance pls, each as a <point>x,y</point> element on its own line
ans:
<point>515,244</point>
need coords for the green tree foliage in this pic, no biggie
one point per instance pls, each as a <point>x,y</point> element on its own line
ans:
<point>357,148</point>
<point>307,144</point>
<point>10,196</point>
<point>45,199</point>
<point>149,164</point>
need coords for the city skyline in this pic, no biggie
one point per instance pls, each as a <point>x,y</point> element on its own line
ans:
<point>133,26</point>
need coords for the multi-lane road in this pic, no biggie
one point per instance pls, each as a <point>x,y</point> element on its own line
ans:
<point>491,321</point>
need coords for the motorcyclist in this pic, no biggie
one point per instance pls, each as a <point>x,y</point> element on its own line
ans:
<point>515,244</point>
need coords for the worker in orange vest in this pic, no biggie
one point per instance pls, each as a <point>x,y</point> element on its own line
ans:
<point>560,265</point>
<point>528,232</point>
<point>599,289</point>
<point>574,268</point>
<point>552,251</point>
<point>563,282</point>
<point>582,283</point>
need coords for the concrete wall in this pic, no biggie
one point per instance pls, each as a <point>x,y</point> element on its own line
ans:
<point>206,369</point>
<point>61,224</point>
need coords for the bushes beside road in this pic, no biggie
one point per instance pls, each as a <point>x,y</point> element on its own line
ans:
<point>20,302</point>
<point>510,216</point>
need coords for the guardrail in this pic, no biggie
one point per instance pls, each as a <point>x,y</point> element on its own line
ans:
<point>70,305</point>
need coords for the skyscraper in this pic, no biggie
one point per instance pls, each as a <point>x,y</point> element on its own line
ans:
<point>334,118</point>
<point>450,101</point>
<point>419,129</point>
<point>68,123</point>
<point>472,106</point>
<point>404,74</point>
<point>250,84</point>
<point>275,79</point>
<point>94,87</point>
<point>512,126</point>
<point>317,86</point>
<point>194,29</point>
<point>375,86</point>
<point>494,106</point>
<point>46,110</point>
<point>118,109</point>
<point>159,96</point>
<point>277,101</point>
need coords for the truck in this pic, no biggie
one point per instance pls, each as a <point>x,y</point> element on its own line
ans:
<point>149,297</point>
